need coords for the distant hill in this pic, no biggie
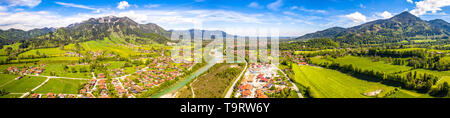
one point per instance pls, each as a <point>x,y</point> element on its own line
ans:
<point>12,35</point>
<point>97,28</point>
<point>394,29</point>
<point>328,33</point>
<point>191,32</point>
<point>91,29</point>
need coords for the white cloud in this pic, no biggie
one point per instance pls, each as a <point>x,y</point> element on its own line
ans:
<point>409,1</point>
<point>294,7</point>
<point>171,18</point>
<point>3,8</point>
<point>123,5</point>
<point>275,5</point>
<point>423,7</point>
<point>75,5</point>
<point>362,6</point>
<point>290,13</point>
<point>18,9</point>
<point>254,5</point>
<point>385,14</point>
<point>152,5</point>
<point>29,3</point>
<point>27,20</point>
<point>356,17</point>
<point>308,10</point>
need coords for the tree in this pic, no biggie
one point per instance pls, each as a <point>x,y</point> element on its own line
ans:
<point>8,50</point>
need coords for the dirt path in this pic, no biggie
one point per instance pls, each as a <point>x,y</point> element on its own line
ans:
<point>192,90</point>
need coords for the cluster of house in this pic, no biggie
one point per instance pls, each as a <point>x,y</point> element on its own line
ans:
<point>161,69</point>
<point>258,81</point>
<point>116,72</point>
<point>148,51</point>
<point>73,54</point>
<point>52,95</point>
<point>119,88</point>
<point>298,59</point>
<point>75,64</point>
<point>27,70</point>
<point>110,55</point>
<point>132,86</point>
<point>96,54</point>
<point>101,86</point>
<point>86,90</point>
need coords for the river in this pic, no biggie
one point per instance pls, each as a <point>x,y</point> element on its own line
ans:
<point>168,92</point>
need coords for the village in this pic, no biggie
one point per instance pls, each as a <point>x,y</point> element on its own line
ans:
<point>260,80</point>
<point>115,84</point>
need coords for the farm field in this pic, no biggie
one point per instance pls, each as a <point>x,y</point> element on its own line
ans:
<point>23,85</point>
<point>107,45</point>
<point>4,78</point>
<point>58,70</point>
<point>326,83</point>
<point>364,63</point>
<point>65,86</point>
<point>213,83</point>
<point>11,96</point>
<point>47,51</point>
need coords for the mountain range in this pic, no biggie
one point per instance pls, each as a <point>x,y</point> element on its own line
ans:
<point>395,29</point>
<point>402,26</point>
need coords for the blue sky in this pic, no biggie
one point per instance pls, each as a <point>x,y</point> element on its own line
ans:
<point>291,17</point>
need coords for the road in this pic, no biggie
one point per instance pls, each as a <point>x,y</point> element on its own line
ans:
<point>230,90</point>
<point>27,93</point>
<point>293,85</point>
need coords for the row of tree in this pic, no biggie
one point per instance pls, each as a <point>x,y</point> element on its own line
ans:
<point>409,80</point>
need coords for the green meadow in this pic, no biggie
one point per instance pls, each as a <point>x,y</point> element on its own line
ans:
<point>23,85</point>
<point>326,83</point>
<point>11,96</point>
<point>5,78</point>
<point>364,63</point>
<point>66,86</point>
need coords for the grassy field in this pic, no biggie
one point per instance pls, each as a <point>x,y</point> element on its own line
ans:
<point>23,85</point>
<point>364,63</point>
<point>106,45</point>
<point>66,86</point>
<point>46,51</point>
<point>58,69</point>
<point>326,83</point>
<point>3,58</point>
<point>210,85</point>
<point>4,78</point>
<point>11,96</point>
<point>13,46</point>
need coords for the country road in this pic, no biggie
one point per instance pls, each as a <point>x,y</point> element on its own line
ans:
<point>230,90</point>
<point>294,86</point>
